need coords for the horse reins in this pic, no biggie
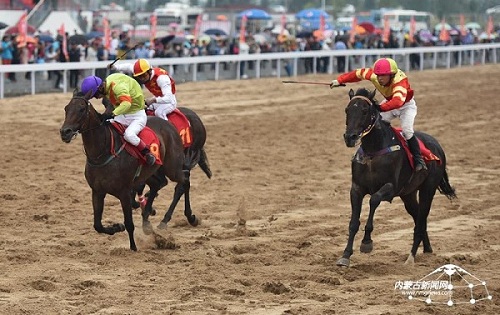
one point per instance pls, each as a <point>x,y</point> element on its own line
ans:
<point>375,118</point>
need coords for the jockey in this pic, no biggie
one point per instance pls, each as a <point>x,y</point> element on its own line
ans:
<point>393,84</point>
<point>157,81</point>
<point>125,94</point>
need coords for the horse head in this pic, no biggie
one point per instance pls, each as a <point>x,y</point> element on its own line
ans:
<point>362,113</point>
<point>77,116</point>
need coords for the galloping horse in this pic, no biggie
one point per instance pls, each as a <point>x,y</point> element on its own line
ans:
<point>194,155</point>
<point>110,170</point>
<point>382,169</point>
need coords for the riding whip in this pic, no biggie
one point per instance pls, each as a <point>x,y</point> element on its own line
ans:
<point>123,55</point>
<point>308,82</point>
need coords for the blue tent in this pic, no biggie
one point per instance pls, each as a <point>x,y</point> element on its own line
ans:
<point>255,14</point>
<point>311,14</point>
<point>314,25</point>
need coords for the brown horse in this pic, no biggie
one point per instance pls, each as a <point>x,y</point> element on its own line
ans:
<point>120,173</point>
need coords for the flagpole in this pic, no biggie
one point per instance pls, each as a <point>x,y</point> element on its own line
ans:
<point>34,9</point>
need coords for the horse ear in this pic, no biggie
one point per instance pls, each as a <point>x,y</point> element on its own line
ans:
<point>75,92</point>
<point>351,94</point>
<point>372,94</point>
<point>88,96</point>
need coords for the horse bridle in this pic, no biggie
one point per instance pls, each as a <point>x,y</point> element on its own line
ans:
<point>86,113</point>
<point>374,117</point>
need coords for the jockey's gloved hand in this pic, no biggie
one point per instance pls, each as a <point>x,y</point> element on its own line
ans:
<point>111,67</point>
<point>334,83</point>
<point>106,116</point>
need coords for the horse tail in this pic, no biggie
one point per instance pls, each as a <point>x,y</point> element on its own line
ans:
<point>445,187</point>
<point>203,163</point>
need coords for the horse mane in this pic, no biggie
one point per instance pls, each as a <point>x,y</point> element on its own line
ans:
<point>366,93</point>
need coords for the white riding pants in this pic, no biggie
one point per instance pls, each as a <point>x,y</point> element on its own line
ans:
<point>135,123</point>
<point>162,110</point>
<point>406,114</point>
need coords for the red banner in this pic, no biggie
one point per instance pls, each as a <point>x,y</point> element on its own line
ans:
<point>243,28</point>
<point>153,21</point>
<point>490,27</point>
<point>444,35</point>
<point>283,24</point>
<point>197,27</point>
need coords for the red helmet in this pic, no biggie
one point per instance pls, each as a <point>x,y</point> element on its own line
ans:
<point>141,66</point>
<point>385,66</point>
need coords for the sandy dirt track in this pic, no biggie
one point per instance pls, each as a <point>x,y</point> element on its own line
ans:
<point>275,214</point>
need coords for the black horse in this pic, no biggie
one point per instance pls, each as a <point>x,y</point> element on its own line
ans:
<point>193,155</point>
<point>381,168</point>
<point>111,170</point>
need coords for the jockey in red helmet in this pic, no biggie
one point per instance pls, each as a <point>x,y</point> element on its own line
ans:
<point>157,81</point>
<point>125,94</point>
<point>393,84</point>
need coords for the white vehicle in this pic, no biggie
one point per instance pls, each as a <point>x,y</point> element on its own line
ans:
<point>181,14</point>
<point>400,19</point>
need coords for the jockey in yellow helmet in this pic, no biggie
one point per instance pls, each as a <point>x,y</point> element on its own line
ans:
<point>157,81</point>
<point>393,84</point>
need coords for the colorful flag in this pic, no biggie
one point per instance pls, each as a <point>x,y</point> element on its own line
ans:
<point>387,30</point>
<point>243,28</point>
<point>61,31</point>
<point>413,26</point>
<point>283,24</point>
<point>444,35</point>
<point>153,21</point>
<point>22,27</point>
<point>197,27</point>
<point>107,34</point>
<point>463,32</point>
<point>352,32</point>
<point>490,27</point>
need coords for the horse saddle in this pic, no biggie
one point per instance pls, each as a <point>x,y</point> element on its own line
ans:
<point>427,154</point>
<point>148,136</point>
<point>181,123</point>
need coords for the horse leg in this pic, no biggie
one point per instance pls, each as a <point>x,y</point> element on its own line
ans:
<point>420,230</point>
<point>386,193</point>
<point>411,206</point>
<point>128,220</point>
<point>356,203</point>
<point>192,219</point>
<point>178,192</point>
<point>98,206</point>
<point>139,191</point>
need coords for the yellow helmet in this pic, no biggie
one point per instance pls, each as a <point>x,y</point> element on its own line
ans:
<point>141,66</point>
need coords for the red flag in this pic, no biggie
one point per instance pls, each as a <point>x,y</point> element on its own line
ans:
<point>243,28</point>
<point>444,35</point>
<point>387,30</point>
<point>153,21</point>
<point>322,24</point>
<point>61,31</point>
<point>490,27</point>
<point>463,32</point>
<point>413,26</point>
<point>197,26</point>
<point>352,32</point>
<point>107,34</point>
<point>22,27</point>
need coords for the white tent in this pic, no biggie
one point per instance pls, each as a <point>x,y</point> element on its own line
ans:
<point>54,21</point>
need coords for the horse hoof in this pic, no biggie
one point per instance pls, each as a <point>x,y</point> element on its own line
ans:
<point>147,228</point>
<point>410,260</point>
<point>194,221</point>
<point>153,211</point>
<point>428,250</point>
<point>162,226</point>
<point>366,247</point>
<point>343,262</point>
<point>118,227</point>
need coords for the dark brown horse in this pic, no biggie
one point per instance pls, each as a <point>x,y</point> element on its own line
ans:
<point>118,174</point>
<point>193,155</point>
<point>382,170</point>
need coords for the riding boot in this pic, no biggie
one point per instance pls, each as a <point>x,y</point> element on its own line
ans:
<point>417,156</point>
<point>150,158</point>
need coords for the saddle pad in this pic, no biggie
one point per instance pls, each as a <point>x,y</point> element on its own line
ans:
<point>150,139</point>
<point>427,155</point>
<point>181,123</point>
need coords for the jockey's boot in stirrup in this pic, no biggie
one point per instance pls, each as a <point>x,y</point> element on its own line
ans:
<point>150,158</point>
<point>417,156</point>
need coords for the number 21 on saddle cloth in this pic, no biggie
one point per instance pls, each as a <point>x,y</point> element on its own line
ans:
<point>147,135</point>
<point>427,155</point>
<point>181,123</point>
